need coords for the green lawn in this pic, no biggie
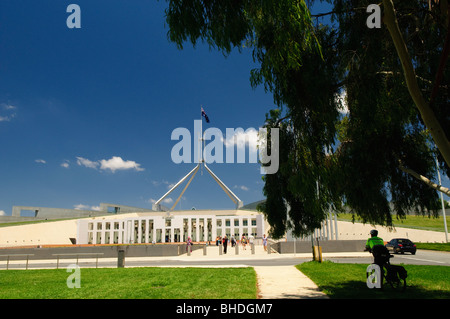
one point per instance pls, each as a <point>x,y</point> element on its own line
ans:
<point>344,281</point>
<point>434,246</point>
<point>131,283</point>
<point>412,221</point>
<point>339,281</point>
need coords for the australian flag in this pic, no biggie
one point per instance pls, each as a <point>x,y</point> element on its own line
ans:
<point>206,116</point>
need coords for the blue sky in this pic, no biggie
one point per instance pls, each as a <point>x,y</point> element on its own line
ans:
<point>74,101</point>
<point>114,88</point>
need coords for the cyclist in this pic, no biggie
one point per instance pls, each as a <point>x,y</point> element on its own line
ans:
<point>375,245</point>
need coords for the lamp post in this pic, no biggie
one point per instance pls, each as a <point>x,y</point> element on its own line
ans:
<point>442,201</point>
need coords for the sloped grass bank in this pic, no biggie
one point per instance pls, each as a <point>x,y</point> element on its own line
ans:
<point>342,281</point>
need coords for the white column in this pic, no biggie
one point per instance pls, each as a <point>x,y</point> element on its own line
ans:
<point>154,231</point>
<point>172,233</point>
<point>102,241</point>
<point>163,231</point>
<point>223,227</point>
<point>336,231</point>
<point>190,227</point>
<point>147,225</point>
<point>214,228</point>
<point>121,231</point>
<point>241,227</point>
<point>260,225</point>
<point>111,233</point>
<point>197,229</point>
<point>139,235</point>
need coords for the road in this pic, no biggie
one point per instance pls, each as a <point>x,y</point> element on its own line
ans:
<point>422,257</point>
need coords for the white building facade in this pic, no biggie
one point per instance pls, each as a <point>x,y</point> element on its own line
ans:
<point>142,228</point>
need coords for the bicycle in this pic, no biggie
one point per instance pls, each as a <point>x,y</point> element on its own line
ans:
<point>394,275</point>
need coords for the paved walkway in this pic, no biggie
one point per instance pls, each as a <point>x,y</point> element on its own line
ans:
<point>274,282</point>
<point>285,282</point>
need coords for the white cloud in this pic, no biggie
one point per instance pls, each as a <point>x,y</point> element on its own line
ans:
<point>2,213</point>
<point>65,164</point>
<point>9,109</point>
<point>241,138</point>
<point>167,200</point>
<point>8,106</point>
<point>86,207</point>
<point>242,187</point>
<point>169,186</point>
<point>87,163</point>
<point>40,161</point>
<point>80,206</point>
<point>113,164</point>
<point>117,163</point>
<point>5,118</point>
<point>157,183</point>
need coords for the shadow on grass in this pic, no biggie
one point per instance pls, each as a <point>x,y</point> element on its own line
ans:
<point>359,290</point>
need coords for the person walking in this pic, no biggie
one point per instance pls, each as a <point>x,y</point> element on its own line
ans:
<point>243,242</point>
<point>265,242</point>
<point>189,245</point>
<point>225,243</point>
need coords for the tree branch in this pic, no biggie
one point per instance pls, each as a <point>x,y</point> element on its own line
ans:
<point>425,110</point>
<point>427,181</point>
<point>444,58</point>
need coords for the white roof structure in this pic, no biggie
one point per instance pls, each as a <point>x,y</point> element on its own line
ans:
<point>157,206</point>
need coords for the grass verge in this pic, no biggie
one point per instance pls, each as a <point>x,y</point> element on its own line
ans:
<point>348,281</point>
<point>131,283</point>
<point>434,246</point>
<point>411,221</point>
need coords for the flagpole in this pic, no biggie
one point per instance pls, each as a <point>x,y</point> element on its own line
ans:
<point>201,162</point>
<point>201,140</point>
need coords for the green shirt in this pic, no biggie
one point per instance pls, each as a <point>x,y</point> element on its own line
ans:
<point>374,241</point>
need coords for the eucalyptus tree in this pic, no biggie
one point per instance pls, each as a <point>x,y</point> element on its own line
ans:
<point>360,110</point>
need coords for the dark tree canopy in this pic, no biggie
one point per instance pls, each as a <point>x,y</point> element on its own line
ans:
<point>363,152</point>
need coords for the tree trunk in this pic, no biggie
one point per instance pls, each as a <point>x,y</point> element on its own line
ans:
<point>425,110</point>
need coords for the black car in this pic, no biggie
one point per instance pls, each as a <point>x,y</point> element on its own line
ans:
<point>400,245</point>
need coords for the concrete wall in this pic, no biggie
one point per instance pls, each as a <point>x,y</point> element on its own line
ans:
<point>122,208</point>
<point>328,246</point>
<point>159,250</point>
<point>350,231</point>
<point>47,233</point>
<point>54,213</point>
